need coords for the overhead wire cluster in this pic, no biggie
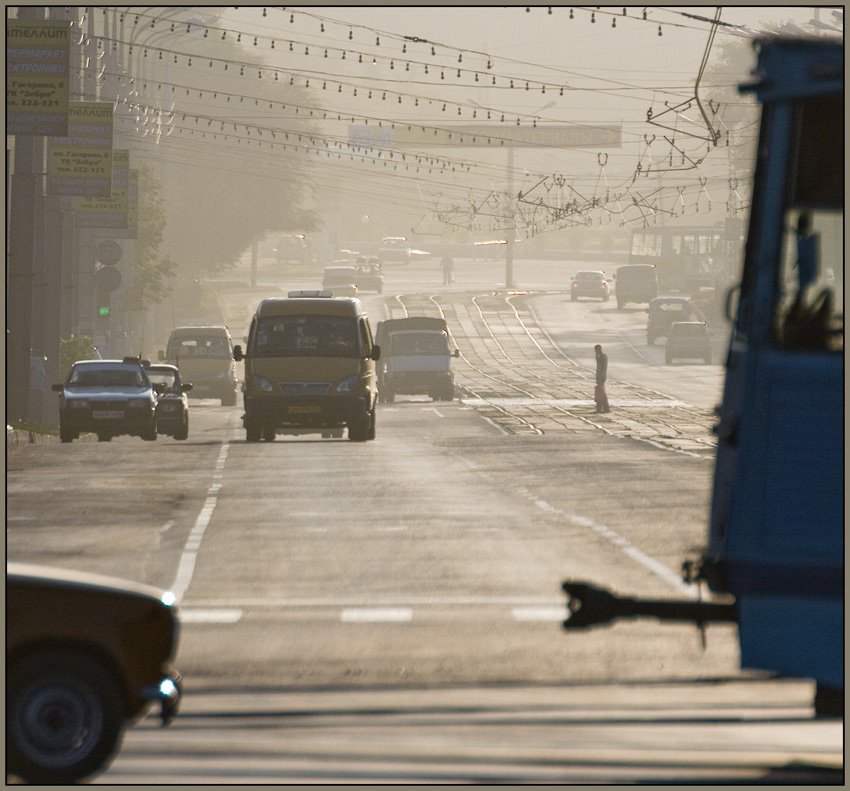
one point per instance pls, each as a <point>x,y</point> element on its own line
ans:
<point>398,53</point>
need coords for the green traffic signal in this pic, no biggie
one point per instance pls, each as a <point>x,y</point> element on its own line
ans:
<point>103,310</point>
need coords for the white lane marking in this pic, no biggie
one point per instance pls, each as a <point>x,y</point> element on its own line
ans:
<point>539,613</point>
<point>623,544</point>
<point>376,615</point>
<point>434,410</point>
<point>391,529</point>
<point>222,615</point>
<point>379,604</point>
<point>186,568</point>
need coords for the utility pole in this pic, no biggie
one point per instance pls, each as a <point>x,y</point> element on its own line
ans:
<point>27,192</point>
<point>511,218</point>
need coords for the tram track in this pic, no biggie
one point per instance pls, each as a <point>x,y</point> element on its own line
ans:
<point>511,371</point>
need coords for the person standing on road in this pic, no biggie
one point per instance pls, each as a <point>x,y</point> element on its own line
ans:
<point>448,267</point>
<point>600,395</point>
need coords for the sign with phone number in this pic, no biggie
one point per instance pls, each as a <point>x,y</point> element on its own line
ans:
<point>38,65</point>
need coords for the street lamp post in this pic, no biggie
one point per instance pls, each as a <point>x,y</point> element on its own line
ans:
<point>509,203</point>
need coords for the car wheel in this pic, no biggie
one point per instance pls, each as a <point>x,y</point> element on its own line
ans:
<point>66,435</point>
<point>149,434</point>
<point>372,426</point>
<point>358,430</point>
<point>269,433</point>
<point>104,438</point>
<point>229,399</point>
<point>64,718</point>
<point>253,431</point>
<point>183,433</point>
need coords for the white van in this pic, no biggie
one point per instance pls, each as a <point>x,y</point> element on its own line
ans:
<point>416,358</point>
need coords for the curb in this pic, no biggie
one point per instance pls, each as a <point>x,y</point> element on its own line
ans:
<point>17,439</point>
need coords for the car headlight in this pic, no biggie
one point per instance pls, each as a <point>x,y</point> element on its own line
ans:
<point>78,403</point>
<point>259,383</point>
<point>139,403</point>
<point>347,385</point>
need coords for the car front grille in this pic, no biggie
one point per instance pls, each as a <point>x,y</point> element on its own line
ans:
<point>304,388</point>
<point>109,404</point>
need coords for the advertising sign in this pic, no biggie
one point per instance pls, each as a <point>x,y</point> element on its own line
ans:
<point>38,65</point>
<point>108,212</point>
<point>81,162</point>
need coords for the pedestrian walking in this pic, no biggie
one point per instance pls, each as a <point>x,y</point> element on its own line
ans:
<point>600,395</point>
<point>448,267</point>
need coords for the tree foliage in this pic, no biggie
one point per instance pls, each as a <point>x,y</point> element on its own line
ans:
<point>151,271</point>
<point>240,167</point>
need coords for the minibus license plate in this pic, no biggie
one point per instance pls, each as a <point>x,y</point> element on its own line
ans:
<point>304,410</point>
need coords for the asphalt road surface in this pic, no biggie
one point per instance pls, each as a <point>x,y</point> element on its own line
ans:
<point>390,611</point>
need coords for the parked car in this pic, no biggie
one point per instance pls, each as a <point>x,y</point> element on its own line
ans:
<point>590,284</point>
<point>688,339</point>
<point>663,311</point>
<point>172,407</point>
<point>108,398</point>
<point>635,283</point>
<point>86,656</point>
<point>368,275</point>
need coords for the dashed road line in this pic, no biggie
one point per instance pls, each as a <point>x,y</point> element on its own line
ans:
<point>614,538</point>
<point>376,615</point>
<point>186,567</point>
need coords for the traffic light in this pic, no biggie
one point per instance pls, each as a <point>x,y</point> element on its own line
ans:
<point>104,307</point>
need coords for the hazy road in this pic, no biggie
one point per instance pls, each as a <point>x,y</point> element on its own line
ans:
<point>390,611</point>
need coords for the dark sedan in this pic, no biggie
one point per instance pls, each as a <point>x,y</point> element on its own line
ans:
<point>85,656</point>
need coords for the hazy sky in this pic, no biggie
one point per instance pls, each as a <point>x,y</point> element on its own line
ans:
<point>507,66</point>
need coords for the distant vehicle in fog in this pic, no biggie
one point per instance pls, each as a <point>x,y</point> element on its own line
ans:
<point>368,275</point>
<point>341,281</point>
<point>688,339</point>
<point>293,248</point>
<point>394,249</point>
<point>204,356</point>
<point>663,311</point>
<point>590,283</point>
<point>636,283</point>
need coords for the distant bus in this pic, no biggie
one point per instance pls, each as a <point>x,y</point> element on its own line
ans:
<point>690,258</point>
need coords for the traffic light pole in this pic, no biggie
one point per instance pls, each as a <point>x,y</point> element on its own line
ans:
<point>511,222</point>
<point>26,192</point>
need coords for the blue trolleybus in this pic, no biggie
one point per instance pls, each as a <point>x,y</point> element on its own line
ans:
<point>775,549</point>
